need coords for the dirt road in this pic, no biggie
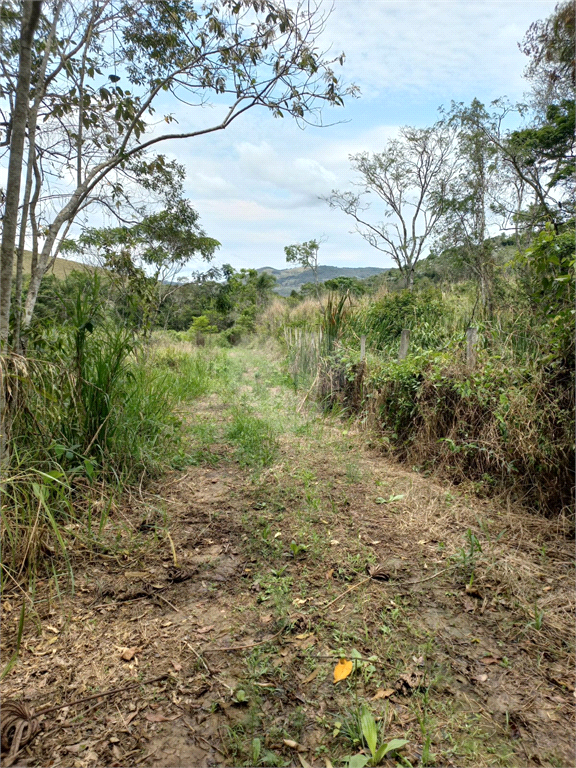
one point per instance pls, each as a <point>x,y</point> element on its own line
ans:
<point>245,577</point>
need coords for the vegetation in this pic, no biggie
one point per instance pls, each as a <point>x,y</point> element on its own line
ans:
<point>119,374</point>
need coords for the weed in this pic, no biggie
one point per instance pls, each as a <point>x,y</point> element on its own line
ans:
<point>255,439</point>
<point>371,735</point>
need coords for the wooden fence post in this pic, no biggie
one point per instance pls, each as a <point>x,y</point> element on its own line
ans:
<point>362,348</point>
<point>404,344</point>
<point>471,342</point>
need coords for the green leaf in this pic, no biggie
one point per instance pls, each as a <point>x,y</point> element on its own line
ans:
<point>392,746</point>
<point>369,729</point>
<point>357,761</point>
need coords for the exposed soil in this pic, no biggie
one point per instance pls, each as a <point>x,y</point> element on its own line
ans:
<point>469,620</point>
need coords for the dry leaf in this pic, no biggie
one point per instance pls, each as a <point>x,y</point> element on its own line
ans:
<point>303,636</point>
<point>469,605</point>
<point>290,743</point>
<point>378,572</point>
<point>203,630</point>
<point>383,694</point>
<point>490,660</point>
<point>481,678</point>
<point>177,666</point>
<point>330,573</point>
<point>311,676</point>
<point>265,618</point>
<point>136,574</point>
<point>158,717</point>
<point>305,763</point>
<point>408,682</point>
<point>342,670</point>
<point>328,763</point>
<point>128,654</point>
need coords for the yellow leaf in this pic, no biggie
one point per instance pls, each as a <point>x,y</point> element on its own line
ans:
<point>342,670</point>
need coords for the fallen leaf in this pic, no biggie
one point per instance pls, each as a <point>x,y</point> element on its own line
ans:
<point>490,660</point>
<point>265,618</point>
<point>328,763</point>
<point>303,636</point>
<point>311,676</point>
<point>131,717</point>
<point>330,573</point>
<point>378,572</point>
<point>481,678</point>
<point>291,743</point>
<point>383,694</point>
<point>422,541</point>
<point>305,763</point>
<point>128,654</point>
<point>136,574</point>
<point>334,542</point>
<point>469,605</point>
<point>472,591</point>
<point>203,630</point>
<point>342,670</point>
<point>158,717</point>
<point>177,666</point>
<point>408,682</point>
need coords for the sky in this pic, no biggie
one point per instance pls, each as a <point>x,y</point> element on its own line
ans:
<point>258,185</point>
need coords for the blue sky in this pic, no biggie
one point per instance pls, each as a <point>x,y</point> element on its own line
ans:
<point>256,185</point>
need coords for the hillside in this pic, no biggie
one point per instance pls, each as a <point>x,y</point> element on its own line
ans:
<point>292,279</point>
<point>61,268</point>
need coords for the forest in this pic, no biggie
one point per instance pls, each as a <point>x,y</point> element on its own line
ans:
<point>332,528</point>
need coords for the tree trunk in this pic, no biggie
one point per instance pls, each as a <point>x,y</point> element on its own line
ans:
<point>30,18</point>
<point>31,169</point>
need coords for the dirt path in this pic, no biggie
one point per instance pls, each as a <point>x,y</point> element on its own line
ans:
<point>244,580</point>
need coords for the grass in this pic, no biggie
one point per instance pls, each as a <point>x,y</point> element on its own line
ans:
<point>79,441</point>
<point>299,478</point>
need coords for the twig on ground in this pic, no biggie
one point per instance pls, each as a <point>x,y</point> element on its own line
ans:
<point>355,586</point>
<point>241,647</point>
<point>104,693</point>
<point>195,652</point>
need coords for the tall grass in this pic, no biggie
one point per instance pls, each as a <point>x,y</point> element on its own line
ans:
<point>506,426</point>
<point>96,413</point>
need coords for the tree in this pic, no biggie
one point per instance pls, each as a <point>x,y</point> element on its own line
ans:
<point>550,46</point>
<point>306,254</point>
<point>142,261</point>
<point>15,138</point>
<point>410,177</point>
<point>110,65</point>
<point>471,197</point>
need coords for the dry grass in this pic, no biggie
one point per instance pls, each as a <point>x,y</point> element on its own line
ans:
<point>61,268</point>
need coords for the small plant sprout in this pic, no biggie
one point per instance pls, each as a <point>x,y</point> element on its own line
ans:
<point>370,733</point>
<point>391,500</point>
<point>538,619</point>
<point>297,549</point>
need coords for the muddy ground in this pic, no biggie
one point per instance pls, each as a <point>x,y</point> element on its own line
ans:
<point>244,585</point>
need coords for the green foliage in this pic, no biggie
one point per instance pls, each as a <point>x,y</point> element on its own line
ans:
<point>547,277</point>
<point>255,439</point>
<point>370,735</point>
<point>424,313</point>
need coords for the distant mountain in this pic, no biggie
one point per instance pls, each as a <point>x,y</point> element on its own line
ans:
<point>291,279</point>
